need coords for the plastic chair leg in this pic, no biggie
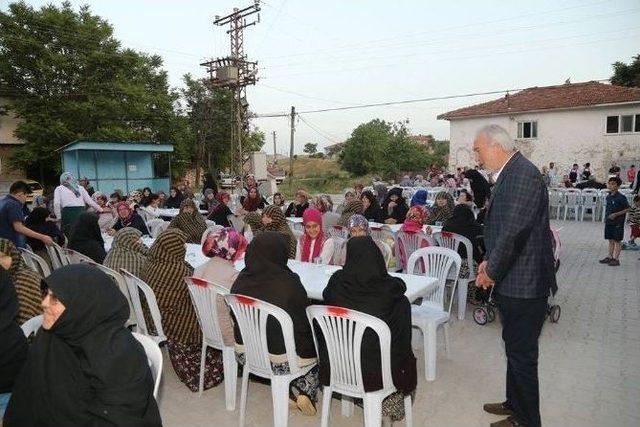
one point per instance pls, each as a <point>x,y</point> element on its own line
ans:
<point>408,413</point>
<point>327,392</point>
<point>203,356</point>
<point>230,367</point>
<point>430,347</point>
<point>347,406</point>
<point>445,331</point>
<point>462,290</point>
<point>372,411</point>
<point>243,396</point>
<point>280,399</point>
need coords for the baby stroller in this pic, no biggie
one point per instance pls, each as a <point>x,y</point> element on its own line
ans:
<point>486,311</point>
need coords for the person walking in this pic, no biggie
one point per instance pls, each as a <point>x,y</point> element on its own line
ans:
<point>519,265</point>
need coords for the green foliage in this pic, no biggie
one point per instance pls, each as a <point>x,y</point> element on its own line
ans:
<point>310,148</point>
<point>627,75</point>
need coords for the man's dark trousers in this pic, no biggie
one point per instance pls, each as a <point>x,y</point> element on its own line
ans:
<point>522,321</point>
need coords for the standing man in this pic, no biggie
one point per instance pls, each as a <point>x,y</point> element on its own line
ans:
<point>12,217</point>
<point>519,265</point>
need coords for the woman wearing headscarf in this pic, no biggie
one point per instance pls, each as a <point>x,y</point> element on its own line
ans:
<point>479,186</point>
<point>253,225</point>
<point>128,217</point>
<point>223,246</point>
<point>253,201</point>
<point>324,205</point>
<point>416,218</point>
<point>372,211</point>
<point>174,200</point>
<point>220,214</point>
<point>314,244</point>
<point>39,221</point>
<point>442,208</point>
<point>127,251</point>
<point>134,199</point>
<point>106,218</point>
<point>189,221</point>
<point>273,220</point>
<point>354,207</point>
<point>69,200</point>
<point>267,277</point>
<point>394,207</point>
<point>419,198</point>
<point>84,367</point>
<point>363,284</point>
<point>358,227</point>
<point>26,282</point>
<point>349,196</point>
<point>380,191</point>
<point>278,200</point>
<point>209,201</point>
<point>164,272</point>
<point>299,205</point>
<point>86,237</point>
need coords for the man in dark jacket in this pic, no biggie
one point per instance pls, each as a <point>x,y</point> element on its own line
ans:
<point>519,265</point>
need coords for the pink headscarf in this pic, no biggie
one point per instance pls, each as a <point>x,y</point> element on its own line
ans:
<point>225,243</point>
<point>311,215</point>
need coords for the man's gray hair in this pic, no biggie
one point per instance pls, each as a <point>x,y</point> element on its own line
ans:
<point>497,135</point>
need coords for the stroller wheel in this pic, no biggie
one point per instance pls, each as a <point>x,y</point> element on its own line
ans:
<point>554,313</point>
<point>491,314</point>
<point>480,316</point>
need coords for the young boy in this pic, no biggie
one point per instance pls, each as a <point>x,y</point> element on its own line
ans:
<point>634,222</point>
<point>616,210</point>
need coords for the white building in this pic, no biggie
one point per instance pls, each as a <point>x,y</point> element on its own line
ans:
<point>570,123</point>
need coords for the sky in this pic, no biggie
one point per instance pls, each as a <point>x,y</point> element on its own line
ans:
<point>337,53</point>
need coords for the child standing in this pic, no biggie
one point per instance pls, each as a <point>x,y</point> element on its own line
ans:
<point>616,210</point>
<point>634,222</point>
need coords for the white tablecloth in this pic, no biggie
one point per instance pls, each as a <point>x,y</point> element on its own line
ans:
<point>396,227</point>
<point>173,212</point>
<point>294,220</point>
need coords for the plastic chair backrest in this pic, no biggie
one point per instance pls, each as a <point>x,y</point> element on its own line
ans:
<point>154,358</point>
<point>573,196</point>
<point>386,251</point>
<point>204,296</point>
<point>251,317</point>
<point>453,241</point>
<point>122,285</point>
<point>31,326</point>
<point>382,234</point>
<point>135,285</point>
<point>556,197</point>
<point>338,231</point>
<point>35,262</point>
<point>339,251</point>
<point>157,226</point>
<point>58,258</point>
<point>438,263</point>
<point>343,330</point>
<point>407,243</point>
<point>75,257</point>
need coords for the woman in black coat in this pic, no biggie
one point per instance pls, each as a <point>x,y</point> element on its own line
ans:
<point>364,285</point>
<point>479,186</point>
<point>86,237</point>
<point>394,207</point>
<point>372,209</point>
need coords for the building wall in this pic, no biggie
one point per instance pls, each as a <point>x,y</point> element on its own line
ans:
<point>8,143</point>
<point>564,137</point>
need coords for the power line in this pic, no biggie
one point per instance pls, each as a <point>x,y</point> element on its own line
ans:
<point>318,130</point>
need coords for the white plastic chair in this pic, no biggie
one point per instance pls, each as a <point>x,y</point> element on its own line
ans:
<point>122,285</point>
<point>408,243</point>
<point>205,296</point>
<point>343,330</point>
<point>556,200</point>
<point>438,262</point>
<point>58,257</point>
<point>453,241</point>
<point>386,251</point>
<point>31,326</point>
<point>75,257</point>
<point>589,201</point>
<point>338,231</point>
<point>35,262</point>
<point>134,286</point>
<point>382,234</point>
<point>603,203</point>
<point>157,226</point>
<point>251,317</point>
<point>572,202</point>
<point>154,358</point>
<point>339,251</point>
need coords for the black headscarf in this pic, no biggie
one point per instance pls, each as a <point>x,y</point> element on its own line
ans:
<point>373,212</point>
<point>479,185</point>
<point>37,221</point>
<point>399,212</point>
<point>365,285</point>
<point>174,202</point>
<point>462,222</point>
<point>86,237</point>
<point>210,183</point>
<point>13,344</point>
<point>266,276</point>
<point>87,369</point>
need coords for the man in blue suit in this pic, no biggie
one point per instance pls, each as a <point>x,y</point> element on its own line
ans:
<point>519,265</point>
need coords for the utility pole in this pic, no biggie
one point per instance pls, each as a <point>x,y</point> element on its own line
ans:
<point>275,154</point>
<point>293,129</point>
<point>235,73</point>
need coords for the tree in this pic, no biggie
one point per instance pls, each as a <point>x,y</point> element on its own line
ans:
<point>627,75</point>
<point>310,148</point>
<point>68,78</point>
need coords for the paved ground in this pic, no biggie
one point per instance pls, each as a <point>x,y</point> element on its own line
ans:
<point>589,361</point>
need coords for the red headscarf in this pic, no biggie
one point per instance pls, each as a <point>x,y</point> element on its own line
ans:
<point>125,221</point>
<point>252,204</point>
<point>311,215</point>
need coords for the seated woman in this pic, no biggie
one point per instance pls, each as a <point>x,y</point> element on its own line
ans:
<point>223,246</point>
<point>164,272</point>
<point>128,217</point>
<point>372,211</point>
<point>273,220</point>
<point>135,198</point>
<point>349,196</point>
<point>40,221</point>
<point>85,368</point>
<point>189,221</point>
<point>267,277</point>
<point>442,209</point>
<point>324,205</point>
<point>394,207</point>
<point>465,198</point>
<point>220,214</point>
<point>416,218</point>
<point>354,207</point>
<point>253,202</point>
<point>26,283</point>
<point>314,245</point>
<point>86,237</point>
<point>278,200</point>
<point>363,284</point>
<point>175,199</point>
<point>209,201</point>
<point>127,251</point>
<point>419,198</point>
<point>150,207</point>
<point>299,205</point>
<point>106,218</point>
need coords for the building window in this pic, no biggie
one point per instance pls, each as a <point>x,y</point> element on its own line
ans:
<point>612,124</point>
<point>161,165</point>
<point>637,127</point>
<point>627,123</point>
<point>527,130</point>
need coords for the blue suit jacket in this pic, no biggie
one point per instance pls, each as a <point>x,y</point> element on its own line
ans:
<point>517,234</point>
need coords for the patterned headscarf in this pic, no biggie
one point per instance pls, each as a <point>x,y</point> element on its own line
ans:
<point>225,243</point>
<point>359,221</point>
<point>416,217</point>
<point>323,203</point>
<point>351,208</point>
<point>192,224</point>
<point>124,205</point>
<point>68,180</point>
<point>135,195</point>
<point>444,213</point>
<point>254,220</point>
<point>127,251</point>
<point>280,225</point>
<point>25,281</point>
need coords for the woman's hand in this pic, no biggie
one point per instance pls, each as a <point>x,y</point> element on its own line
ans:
<point>111,232</point>
<point>390,221</point>
<point>5,261</point>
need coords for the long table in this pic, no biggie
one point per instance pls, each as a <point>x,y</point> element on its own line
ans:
<point>396,227</point>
